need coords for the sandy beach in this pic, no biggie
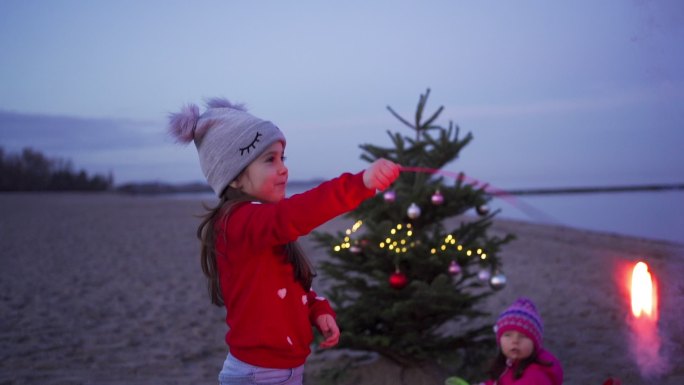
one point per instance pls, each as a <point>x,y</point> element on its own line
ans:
<point>107,289</point>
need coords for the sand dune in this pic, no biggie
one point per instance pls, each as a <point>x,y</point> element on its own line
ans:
<point>106,289</point>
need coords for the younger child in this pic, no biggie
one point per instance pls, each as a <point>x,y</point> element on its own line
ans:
<point>249,252</point>
<point>521,359</point>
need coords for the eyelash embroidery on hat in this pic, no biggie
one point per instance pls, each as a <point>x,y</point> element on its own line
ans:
<point>251,145</point>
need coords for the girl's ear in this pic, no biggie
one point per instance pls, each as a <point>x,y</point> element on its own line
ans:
<point>235,183</point>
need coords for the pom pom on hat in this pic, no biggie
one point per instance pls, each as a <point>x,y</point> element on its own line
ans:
<point>225,103</point>
<point>521,316</point>
<point>227,138</point>
<point>182,124</point>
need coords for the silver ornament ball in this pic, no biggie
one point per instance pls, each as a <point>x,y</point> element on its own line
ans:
<point>482,210</point>
<point>498,281</point>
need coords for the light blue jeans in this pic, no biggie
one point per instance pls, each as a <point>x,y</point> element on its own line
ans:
<point>236,372</point>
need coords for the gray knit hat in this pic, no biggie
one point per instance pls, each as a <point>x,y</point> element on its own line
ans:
<point>227,138</point>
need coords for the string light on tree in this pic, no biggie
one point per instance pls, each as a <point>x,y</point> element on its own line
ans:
<point>398,240</point>
<point>346,242</point>
<point>450,240</point>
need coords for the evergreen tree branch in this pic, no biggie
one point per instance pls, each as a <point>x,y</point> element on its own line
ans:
<point>400,118</point>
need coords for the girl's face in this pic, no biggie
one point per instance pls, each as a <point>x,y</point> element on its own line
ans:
<point>515,345</point>
<point>266,177</point>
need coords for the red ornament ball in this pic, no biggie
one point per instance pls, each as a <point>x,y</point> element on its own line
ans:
<point>398,280</point>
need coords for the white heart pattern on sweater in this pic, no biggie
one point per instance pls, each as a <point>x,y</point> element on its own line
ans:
<point>282,293</point>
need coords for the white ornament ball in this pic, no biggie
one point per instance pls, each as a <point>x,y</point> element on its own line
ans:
<point>484,275</point>
<point>482,210</point>
<point>413,211</point>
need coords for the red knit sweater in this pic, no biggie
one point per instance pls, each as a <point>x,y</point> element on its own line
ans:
<point>269,314</point>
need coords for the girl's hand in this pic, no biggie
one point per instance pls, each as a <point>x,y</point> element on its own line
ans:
<point>328,327</point>
<point>380,174</point>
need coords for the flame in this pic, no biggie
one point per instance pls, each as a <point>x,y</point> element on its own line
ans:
<point>645,343</point>
<point>643,295</point>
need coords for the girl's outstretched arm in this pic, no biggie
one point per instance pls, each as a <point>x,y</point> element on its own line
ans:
<point>265,225</point>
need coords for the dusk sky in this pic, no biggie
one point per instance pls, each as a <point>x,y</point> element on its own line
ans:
<point>556,94</point>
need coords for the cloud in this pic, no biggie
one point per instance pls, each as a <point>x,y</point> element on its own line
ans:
<point>66,134</point>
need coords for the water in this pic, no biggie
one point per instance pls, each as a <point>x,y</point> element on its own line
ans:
<point>645,214</point>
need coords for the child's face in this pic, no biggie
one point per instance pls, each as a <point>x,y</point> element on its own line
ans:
<point>266,177</point>
<point>515,345</point>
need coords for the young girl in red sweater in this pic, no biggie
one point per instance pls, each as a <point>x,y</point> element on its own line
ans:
<point>521,359</point>
<point>248,241</point>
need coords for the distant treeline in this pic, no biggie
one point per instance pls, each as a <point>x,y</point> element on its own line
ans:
<point>30,170</point>
<point>153,188</point>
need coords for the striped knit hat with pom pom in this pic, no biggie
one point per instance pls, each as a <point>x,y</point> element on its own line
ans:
<point>521,316</point>
<point>227,138</point>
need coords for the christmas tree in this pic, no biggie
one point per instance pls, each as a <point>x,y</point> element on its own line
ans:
<point>403,284</point>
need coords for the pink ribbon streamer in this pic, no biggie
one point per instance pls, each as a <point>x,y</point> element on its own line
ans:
<point>526,208</point>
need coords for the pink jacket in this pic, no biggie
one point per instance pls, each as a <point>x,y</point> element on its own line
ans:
<point>535,374</point>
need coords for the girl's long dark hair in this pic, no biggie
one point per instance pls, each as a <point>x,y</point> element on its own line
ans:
<point>499,365</point>
<point>207,233</point>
